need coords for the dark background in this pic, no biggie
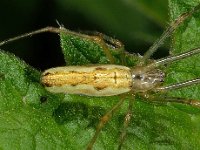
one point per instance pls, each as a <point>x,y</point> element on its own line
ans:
<point>137,23</point>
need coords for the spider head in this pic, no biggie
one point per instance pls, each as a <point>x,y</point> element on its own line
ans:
<point>145,80</point>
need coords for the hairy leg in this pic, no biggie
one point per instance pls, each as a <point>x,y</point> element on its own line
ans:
<point>103,121</point>
<point>178,85</point>
<point>174,25</point>
<point>101,39</point>
<point>171,59</point>
<point>165,99</point>
<point>126,123</point>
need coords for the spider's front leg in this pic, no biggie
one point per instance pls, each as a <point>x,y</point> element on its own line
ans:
<point>166,99</point>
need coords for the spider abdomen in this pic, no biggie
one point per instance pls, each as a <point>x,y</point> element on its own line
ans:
<point>99,80</point>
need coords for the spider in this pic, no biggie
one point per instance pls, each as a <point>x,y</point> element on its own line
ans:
<point>108,80</point>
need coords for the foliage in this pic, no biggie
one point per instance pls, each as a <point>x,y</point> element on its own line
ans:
<point>32,118</point>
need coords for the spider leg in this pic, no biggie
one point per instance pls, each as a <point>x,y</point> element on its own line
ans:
<point>106,41</point>
<point>178,85</point>
<point>42,30</point>
<point>165,99</point>
<point>192,102</point>
<point>171,59</point>
<point>174,25</point>
<point>103,121</point>
<point>119,46</point>
<point>195,103</point>
<point>126,123</point>
<point>101,39</point>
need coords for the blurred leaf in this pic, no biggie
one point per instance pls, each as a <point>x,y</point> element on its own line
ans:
<point>133,21</point>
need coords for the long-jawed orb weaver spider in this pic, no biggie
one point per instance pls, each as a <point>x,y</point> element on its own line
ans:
<point>107,80</point>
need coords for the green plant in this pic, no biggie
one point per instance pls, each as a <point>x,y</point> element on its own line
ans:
<point>32,118</point>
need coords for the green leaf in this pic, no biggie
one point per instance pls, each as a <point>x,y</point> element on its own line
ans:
<point>26,122</point>
<point>185,38</point>
<point>32,118</point>
<point>158,126</point>
<point>82,49</point>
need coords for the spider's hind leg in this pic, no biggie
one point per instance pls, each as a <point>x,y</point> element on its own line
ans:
<point>103,121</point>
<point>127,119</point>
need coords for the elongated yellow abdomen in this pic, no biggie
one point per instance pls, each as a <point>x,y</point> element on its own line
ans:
<point>100,80</point>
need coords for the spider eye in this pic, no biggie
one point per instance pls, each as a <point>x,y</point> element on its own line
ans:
<point>138,77</point>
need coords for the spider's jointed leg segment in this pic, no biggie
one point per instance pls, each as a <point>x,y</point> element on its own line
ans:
<point>126,123</point>
<point>103,121</point>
